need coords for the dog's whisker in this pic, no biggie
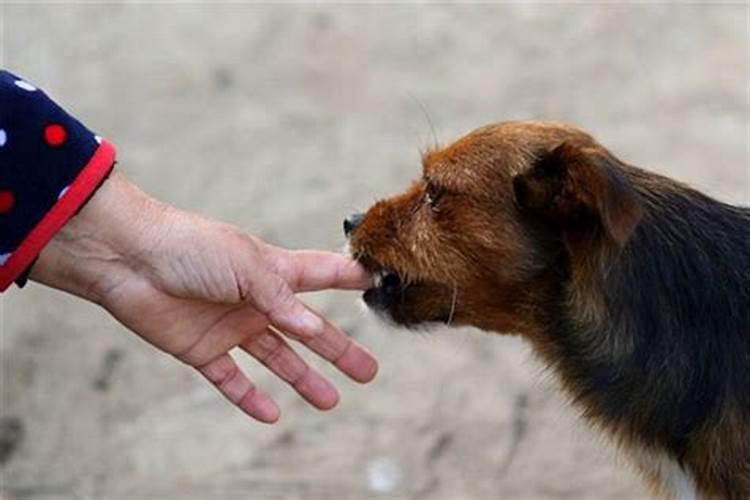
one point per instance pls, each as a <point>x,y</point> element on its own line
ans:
<point>427,116</point>
<point>453,304</point>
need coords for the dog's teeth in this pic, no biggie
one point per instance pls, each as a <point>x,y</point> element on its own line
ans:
<point>378,278</point>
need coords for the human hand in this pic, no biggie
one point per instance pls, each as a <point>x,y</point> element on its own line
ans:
<point>197,289</point>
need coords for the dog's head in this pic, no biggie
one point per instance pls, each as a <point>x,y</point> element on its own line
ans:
<point>495,220</point>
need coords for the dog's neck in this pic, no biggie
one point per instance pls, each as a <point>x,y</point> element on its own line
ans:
<point>630,340</point>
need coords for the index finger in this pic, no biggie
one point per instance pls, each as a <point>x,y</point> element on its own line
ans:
<point>311,270</point>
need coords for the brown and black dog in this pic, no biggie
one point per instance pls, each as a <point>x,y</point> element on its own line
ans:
<point>633,287</point>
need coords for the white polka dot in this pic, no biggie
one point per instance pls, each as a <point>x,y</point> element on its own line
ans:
<point>3,137</point>
<point>98,139</point>
<point>25,85</point>
<point>62,193</point>
<point>4,258</point>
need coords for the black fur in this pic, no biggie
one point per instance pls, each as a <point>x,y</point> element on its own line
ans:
<point>674,347</point>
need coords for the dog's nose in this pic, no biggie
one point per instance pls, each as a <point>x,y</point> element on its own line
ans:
<point>351,223</point>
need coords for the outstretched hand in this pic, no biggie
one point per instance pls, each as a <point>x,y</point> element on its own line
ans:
<point>197,289</point>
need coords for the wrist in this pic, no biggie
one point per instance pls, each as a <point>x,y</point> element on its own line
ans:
<point>101,245</point>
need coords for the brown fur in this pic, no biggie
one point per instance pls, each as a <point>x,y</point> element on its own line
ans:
<point>534,228</point>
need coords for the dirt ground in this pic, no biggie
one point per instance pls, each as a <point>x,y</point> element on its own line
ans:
<point>284,118</point>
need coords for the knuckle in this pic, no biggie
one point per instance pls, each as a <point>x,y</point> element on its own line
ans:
<point>276,354</point>
<point>297,380</point>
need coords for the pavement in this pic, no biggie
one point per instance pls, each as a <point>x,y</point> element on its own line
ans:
<point>282,119</point>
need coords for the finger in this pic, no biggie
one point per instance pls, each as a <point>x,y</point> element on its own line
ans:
<point>273,351</point>
<point>224,373</point>
<point>274,298</point>
<point>310,270</point>
<point>286,313</point>
<point>344,353</point>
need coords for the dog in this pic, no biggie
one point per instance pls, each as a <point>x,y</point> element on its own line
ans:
<point>633,287</point>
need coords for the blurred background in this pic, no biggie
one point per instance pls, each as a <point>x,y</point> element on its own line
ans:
<point>282,119</point>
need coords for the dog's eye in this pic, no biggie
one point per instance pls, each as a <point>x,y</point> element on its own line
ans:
<point>432,196</point>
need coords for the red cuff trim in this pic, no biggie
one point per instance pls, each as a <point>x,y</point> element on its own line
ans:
<point>78,192</point>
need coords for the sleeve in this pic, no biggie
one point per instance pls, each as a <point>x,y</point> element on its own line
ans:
<point>50,165</point>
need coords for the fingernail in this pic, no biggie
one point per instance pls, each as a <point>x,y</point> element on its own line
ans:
<point>311,323</point>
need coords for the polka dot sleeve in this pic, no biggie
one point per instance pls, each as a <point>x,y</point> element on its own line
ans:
<point>50,165</point>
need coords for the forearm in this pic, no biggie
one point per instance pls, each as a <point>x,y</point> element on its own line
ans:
<point>102,243</point>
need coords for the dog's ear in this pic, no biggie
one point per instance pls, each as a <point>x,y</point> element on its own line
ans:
<point>577,187</point>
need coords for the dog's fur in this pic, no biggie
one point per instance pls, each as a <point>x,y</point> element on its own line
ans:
<point>633,287</point>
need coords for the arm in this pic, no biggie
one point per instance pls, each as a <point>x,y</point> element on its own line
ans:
<point>197,289</point>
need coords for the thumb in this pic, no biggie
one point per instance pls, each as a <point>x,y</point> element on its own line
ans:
<point>273,296</point>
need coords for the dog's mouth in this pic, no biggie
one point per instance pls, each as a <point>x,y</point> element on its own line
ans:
<point>387,280</point>
<point>388,288</point>
<point>406,301</point>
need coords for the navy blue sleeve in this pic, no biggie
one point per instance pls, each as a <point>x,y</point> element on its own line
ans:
<point>50,164</point>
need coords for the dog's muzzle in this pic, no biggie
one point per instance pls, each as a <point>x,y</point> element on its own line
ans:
<point>388,286</point>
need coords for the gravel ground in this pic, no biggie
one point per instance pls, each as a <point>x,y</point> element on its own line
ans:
<point>282,119</point>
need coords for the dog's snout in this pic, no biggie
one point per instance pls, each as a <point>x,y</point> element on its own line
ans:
<point>351,222</point>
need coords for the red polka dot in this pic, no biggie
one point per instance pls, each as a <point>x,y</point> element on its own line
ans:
<point>7,201</point>
<point>55,135</point>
